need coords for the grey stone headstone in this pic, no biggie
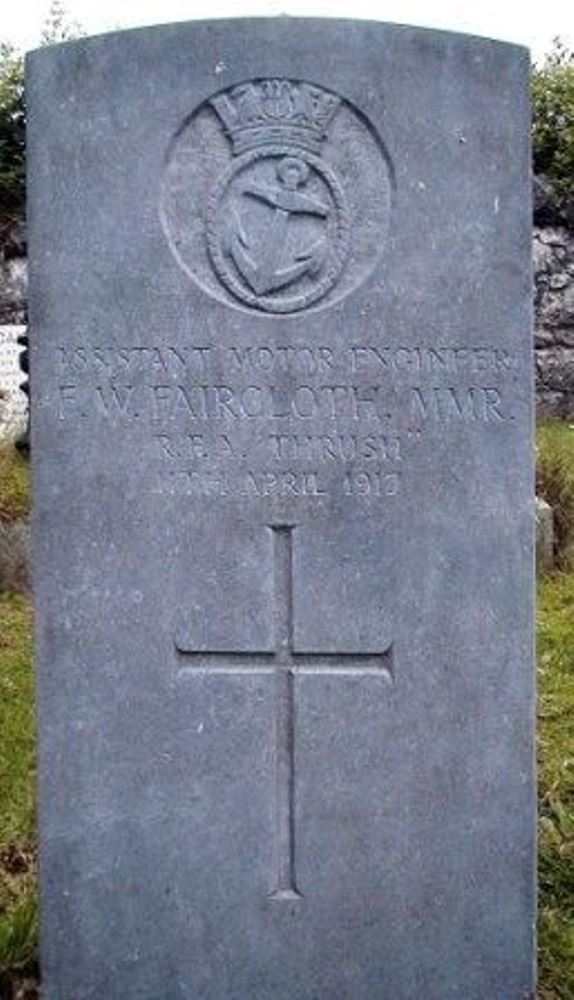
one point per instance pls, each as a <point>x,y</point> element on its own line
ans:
<point>282,393</point>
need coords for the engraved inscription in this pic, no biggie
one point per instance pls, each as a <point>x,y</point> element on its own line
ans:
<point>272,213</point>
<point>444,404</point>
<point>284,663</point>
<point>299,422</point>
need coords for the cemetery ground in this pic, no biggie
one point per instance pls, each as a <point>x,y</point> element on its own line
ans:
<point>555,623</point>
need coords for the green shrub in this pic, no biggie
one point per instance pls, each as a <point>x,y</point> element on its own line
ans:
<point>553,119</point>
<point>12,133</point>
<point>555,483</point>
<point>57,28</point>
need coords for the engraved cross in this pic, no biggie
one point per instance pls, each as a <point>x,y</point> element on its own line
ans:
<point>284,663</point>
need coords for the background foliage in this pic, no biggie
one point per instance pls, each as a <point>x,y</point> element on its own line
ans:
<point>12,132</point>
<point>57,28</point>
<point>553,119</point>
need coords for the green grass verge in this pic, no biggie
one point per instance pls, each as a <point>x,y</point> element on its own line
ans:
<point>14,484</point>
<point>555,633</point>
<point>17,820</point>
<point>555,482</point>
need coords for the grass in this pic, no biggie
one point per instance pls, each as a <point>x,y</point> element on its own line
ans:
<point>555,482</point>
<point>17,819</point>
<point>555,635</point>
<point>14,484</point>
<point>555,649</point>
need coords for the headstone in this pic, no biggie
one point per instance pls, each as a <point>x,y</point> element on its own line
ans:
<point>13,402</point>
<point>281,381</point>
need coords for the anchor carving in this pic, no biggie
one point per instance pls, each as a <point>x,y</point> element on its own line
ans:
<point>266,273</point>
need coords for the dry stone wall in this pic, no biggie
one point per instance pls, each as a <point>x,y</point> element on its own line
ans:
<point>13,316</point>
<point>553,260</point>
<point>554,319</point>
<point>13,402</point>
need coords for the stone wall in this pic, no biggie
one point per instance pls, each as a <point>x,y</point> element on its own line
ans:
<point>553,247</point>
<point>13,315</point>
<point>13,402</point>
<point>553,250</point>
<point>554,319</point>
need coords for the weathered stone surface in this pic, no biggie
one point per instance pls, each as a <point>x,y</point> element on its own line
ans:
<point>281,373</point>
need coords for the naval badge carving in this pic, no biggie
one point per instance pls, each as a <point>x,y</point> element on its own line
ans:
<point>266,193</point>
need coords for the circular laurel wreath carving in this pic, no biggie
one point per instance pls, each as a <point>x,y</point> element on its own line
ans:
<point>276,196</point>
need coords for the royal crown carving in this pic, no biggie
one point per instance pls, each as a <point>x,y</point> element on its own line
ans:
<point>267,112</point>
